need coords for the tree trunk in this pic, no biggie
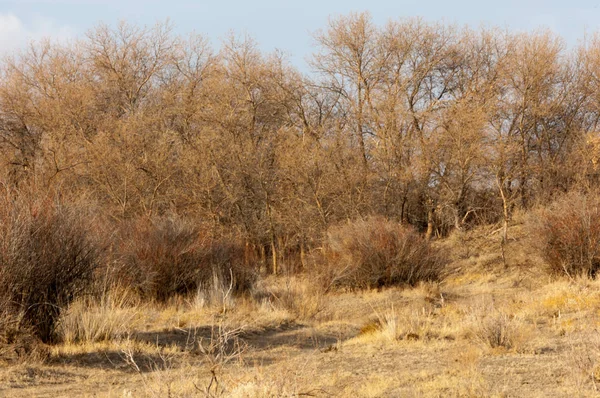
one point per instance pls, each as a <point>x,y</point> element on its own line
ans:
<point>430,222</point>
<point>274,255</point>
<point>505,218</point>
<point>302,256</point>
<point>457,219</point>
<point>403,215</point>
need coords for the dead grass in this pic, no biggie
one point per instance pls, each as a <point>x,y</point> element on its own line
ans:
<point>90,321</point>
<point>299,296</point>
<point>483,332</point>
<point>500,330</point>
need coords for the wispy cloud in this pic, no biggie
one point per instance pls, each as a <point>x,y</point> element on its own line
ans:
<point>15,33</point>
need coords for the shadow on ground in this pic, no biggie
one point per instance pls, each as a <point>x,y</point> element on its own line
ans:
<point>186,342</point>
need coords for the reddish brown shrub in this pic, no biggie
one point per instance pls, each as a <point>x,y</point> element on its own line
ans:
<point>567,234</point>
<point>47,258</point>
<point>376,252</point>
<point>165,257</point>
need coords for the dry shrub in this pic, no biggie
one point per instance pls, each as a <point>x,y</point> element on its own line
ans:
<point>376,252</point>
<point>166,257</point>
<point>500,330</point>
<point>497,331</point>
<point>47,257</point>
<point>20,345</point>
<point>567,235</point>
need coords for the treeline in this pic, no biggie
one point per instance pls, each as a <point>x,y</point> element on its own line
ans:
<point>422,123</point>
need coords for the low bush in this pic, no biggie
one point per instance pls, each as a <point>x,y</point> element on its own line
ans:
<point>47,257</point>
<point>567,235</point>
<point>498,329</point>
<point>376,252</point>
<point>165,257</point>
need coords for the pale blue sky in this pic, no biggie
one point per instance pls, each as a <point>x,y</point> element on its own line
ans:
<point>284,24</point>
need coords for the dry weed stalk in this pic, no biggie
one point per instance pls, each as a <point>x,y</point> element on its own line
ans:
<point>222,347</point>
<point>129,354</point>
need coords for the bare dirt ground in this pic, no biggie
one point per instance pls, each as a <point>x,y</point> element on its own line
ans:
<point>490,329</point>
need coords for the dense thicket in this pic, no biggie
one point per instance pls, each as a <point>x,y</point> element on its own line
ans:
<point>422,123</point>
<point>169,257</point>
<point>376,253</point>
<point>48,255</point>
<point>566,234</point>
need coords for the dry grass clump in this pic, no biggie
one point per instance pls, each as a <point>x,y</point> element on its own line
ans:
<point>394,325</point>
<point>566,297</point>
<point>89,321</point>
<point>499,330</point>
<point>567,235</point>
<point>166,257</point>
<point>47,257</point>
<point>214,293</point>
<point>298,296</point>
<point>376,252</point>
